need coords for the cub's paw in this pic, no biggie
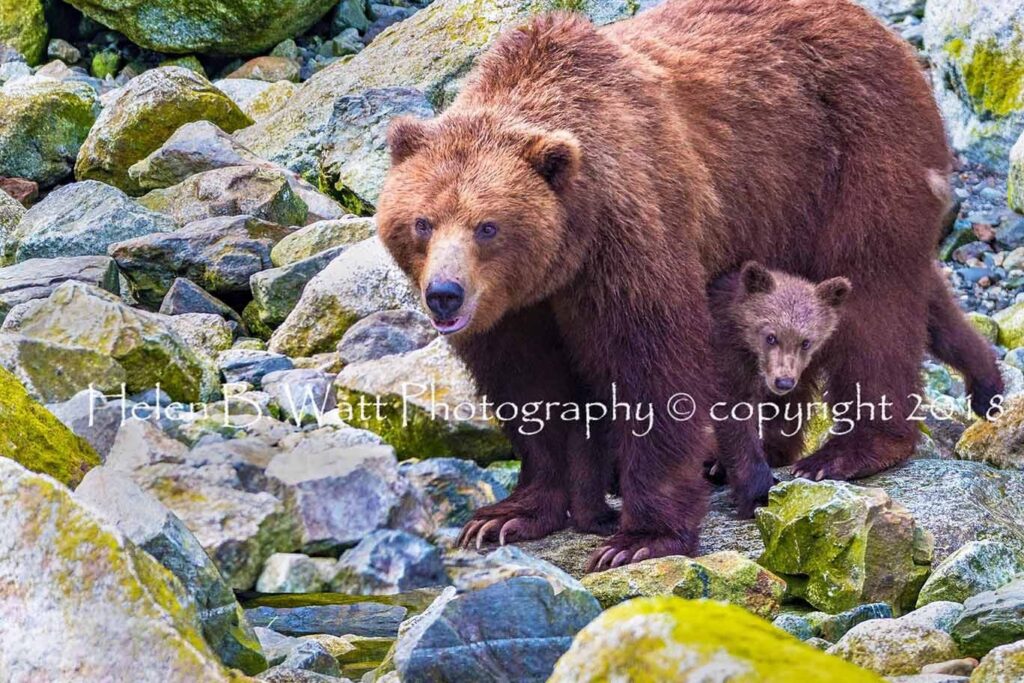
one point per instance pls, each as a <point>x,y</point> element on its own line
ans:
<point>752,492</point>
<point>984,397</point>
<point>492,525</point>
<point>626,548</point>
<point>821,465</point>
<point>714,472</point>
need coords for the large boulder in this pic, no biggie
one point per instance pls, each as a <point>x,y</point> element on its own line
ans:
<point>429,405</point>
<point>978,66</point>
<point>991,619</point>
<point>52,371</point>
<point>37,278</point>
<point>894,647</point>
<point>43,123</point>
<point>418,53</point>
<point>81,219</point>
<point>231,27</point>
<point>671,639</point>
<point>364,279</point>
<point>143,115</point>
<point>465,636</point>
<point>218,254</point>
<point>257,191</point>
<point>32,436</point>
<point>318,237</point>
<point>151,526</point>
<point>999,442</point>
<point>143,343</point>
<point>23,27</point>
<point>977,567</point>
<point>839,545</point>
<point>118,613</point>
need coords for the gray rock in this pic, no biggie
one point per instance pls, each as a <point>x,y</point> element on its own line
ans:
<point>94,418</point>
<point>362,280</point>
<point>991,619</point>
<point>310,655</point>
<point>81,219</point>
<point>257,191</point>
<point>244,365</point>
<point>185,296</point>
<point>892,647</point>
<point>452,488</point>
<point>207,333</point>
<point>893,10</point>
<point>318,237</point>
<point>37,278</point>
<point>388,562</point>
<point>275,645</point>
<point>11,212</point>
<point>139,442</point>
<point>53,371</point>
<point>356,158</point>
<point>63,50</point>
<point>384,334</point>
<point>277,291</point>
<point>375,619</point>
<point>977,567</point>
<point>218,254</point>
<point>338,494</point>
<point>303,395</point>
<point>350,14</point>
<point>295,573</point>
<point>152,527</point>
<point>942,615</point>
<point>1004,664</point>
<point>461,636</point>
<point>242,91</point>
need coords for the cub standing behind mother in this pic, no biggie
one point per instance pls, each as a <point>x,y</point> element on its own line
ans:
<point>564,215</point>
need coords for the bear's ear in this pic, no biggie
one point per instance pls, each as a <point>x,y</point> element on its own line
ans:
<point>756,279</point>
<point>834,292</point>
<point>406,135</point>
<point>555,156</point>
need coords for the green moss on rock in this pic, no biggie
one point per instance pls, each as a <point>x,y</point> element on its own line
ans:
<point>993,78</point>
<point>23,27</point>
<point>1011,326</point>
<point>670,639</point>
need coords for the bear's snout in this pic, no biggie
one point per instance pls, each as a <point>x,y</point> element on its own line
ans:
<point>444,298</point>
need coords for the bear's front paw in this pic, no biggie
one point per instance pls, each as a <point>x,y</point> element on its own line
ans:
<point>497,523</point>
<point>626,548</point>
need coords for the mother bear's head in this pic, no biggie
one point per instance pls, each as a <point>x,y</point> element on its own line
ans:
<point>473,211</point>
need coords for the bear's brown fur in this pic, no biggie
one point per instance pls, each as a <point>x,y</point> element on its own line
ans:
<point>588,183</point>
<point>767,327</point>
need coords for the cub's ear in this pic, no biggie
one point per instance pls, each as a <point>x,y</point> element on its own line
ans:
<point>756,278</point>
<point>555,156</point>
<point>406,135</point>
<point>834,292</point>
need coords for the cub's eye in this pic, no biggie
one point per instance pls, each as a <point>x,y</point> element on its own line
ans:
<point>423,227</point>
<point>486,231</point>
<point>771,340</point>
<point>805,344</point>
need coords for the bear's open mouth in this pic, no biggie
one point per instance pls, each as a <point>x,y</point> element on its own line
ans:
<point>451,326</point>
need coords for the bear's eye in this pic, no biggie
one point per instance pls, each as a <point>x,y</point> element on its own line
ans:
<point>771,340</point>
<point>486,231</point>
<point>423,227</point>
<point>805,344</point>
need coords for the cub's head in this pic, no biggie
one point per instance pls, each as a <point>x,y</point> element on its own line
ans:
<point>785,320</point>
<point>473,211</point>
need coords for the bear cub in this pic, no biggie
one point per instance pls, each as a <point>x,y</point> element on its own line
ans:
<point>767,328</point>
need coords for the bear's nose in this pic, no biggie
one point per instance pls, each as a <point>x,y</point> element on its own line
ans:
<point>444,298</point>
<point>785,383</point>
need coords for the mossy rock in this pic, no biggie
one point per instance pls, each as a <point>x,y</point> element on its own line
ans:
<point>671,639</point>
<point>43,123</point>
<point>32,436</point>
<point>999,442</point>
<point>1011,326</point>
<point>144,115</point>
<point>23,27</point>
<point>985,325</point>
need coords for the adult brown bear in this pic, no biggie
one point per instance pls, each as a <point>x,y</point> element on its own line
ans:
<point>563,217</point>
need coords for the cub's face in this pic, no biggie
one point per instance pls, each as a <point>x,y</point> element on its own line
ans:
<point>786,320</point>
<point>472,212</point>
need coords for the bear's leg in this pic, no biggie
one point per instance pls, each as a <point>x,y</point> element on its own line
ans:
<point>591,473</point>
<point>953,341</point>
<point>873,366</point>
<point>519,362</point>
<point>784,436</point>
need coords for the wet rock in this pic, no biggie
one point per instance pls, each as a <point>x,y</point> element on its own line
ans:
<point>892,647</point>
<point>43,123</point>
<point>430,407</point>
<point>295,573</point>
<point>376,619</point>
<point>991,619</point>
<point>338,494</point>
<point>37,278</point>
<point>116,608</point>
<point>218,254</point>
<point>977,567</point>
<point>388,562</point>
<point>877,554</point>
<point>318,237</point>
<point>726,576</point>
<point>386,333</point>
<point>147,111</point>
<point>363,280</point>
<point>81,219</point>
<point>461,636</point>
<point>257,191</point>
<point>152,527</point>
<point>144,344</point>
<point>669,638</point>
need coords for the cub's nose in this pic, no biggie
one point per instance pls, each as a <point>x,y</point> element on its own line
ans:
<point>785,383</point>
<point>445,298</point>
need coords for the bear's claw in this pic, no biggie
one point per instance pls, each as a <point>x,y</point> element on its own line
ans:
<point>625,548</point>
<point>504,529</point>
